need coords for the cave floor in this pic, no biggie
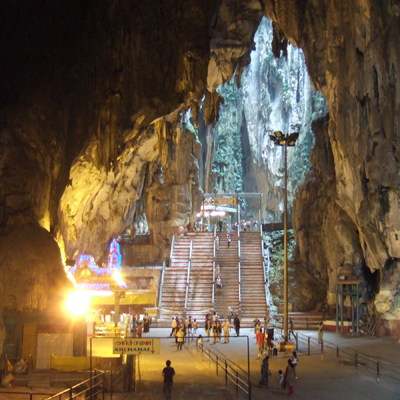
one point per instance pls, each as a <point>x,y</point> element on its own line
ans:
<point>317,378</point>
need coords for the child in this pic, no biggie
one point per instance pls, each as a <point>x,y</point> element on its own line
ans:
<point>281,381</point>
<point>194,326</point>
<point>200,342</point>
<point>139,330</point>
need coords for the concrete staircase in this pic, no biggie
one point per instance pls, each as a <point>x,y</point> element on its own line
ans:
<point>201,275</point>
<point>200,279</point>
<point>175,279</point>
<point>253,302</point>
<point>228,261</point>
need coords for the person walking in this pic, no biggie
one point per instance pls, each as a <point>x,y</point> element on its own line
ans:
<point>217,242</point>
<point>219,330</point>
<point>294,362</point>
<point>264,372</point>
<point>173,326</point>
<point>230,315</point>
<point>180,335</point>
<point>228,237</point>
<point>236,323</point>
<point>291,328</point>
<point>220,225</point>
<point>146,323</point>
<point>194,326</point>
<point>215,332</point>
<point>290,377</point>
<point>260,342</point>
<point>168,374</point>
<point>208,329</point>
<point>269,344</point>
<point>320,333</point>
<point>226,326</point>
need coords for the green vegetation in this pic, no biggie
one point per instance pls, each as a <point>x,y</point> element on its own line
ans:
<point>227,170</point>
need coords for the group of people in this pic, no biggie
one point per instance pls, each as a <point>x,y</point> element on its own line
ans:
<point>181,328</point>
<point>286,378</point>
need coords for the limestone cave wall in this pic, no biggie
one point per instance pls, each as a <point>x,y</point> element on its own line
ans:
<point>352,57</point>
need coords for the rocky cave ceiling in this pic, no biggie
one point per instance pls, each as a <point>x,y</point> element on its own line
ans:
<point>90,95</point>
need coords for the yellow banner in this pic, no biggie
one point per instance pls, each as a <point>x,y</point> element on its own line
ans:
<point>225,200</point>
<point>130,298</point>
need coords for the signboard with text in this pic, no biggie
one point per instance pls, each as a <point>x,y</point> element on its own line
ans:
<point>136,346</point>
<point>225,200</point>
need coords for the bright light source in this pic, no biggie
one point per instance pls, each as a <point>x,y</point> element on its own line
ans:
<point>218,213</point>
<point>78,302</point>
<point>118,278</point>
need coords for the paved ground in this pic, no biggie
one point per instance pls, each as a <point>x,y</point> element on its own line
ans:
<point>319,379</point>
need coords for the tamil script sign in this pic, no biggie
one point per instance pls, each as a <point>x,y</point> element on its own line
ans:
<point>225,200</point>
<point>136,346</point>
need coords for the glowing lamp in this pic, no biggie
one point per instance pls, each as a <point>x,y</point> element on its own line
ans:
<point>78,303</point>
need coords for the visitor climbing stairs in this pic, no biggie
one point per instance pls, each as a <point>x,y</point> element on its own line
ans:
<point>228,261</point>
<point>201,276</point>
<point>252,282</point>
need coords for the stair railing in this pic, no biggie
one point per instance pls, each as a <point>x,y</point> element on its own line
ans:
<point>172,248</point>
<point>188,276</point>
<point>213,285</point>
<point>215,230</point>
<point>161,290</point>
<point>265,284</point>
<point>239,247</point>
<point>265,272</point>
<point>239,288</point>
<point>214,250</point>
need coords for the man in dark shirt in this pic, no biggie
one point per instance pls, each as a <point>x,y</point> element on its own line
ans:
<point>168,374</point>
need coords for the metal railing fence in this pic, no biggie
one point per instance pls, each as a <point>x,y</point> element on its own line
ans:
<point>240,381</point>
<point>349,357</point>
<point>90,388</point>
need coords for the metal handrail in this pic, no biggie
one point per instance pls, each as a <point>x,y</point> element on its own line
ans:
<point>161,285</point>
<point>191,250</point>
<point>379,367</point>
<point>215,230</point>
<point>213,284</point>
<point>88,385</point>
<point>187,284</point>
<point>214,249</point>
<point>172,248</point>
<point>239,251</point>
<point>30,394</point>
<point>239,288</point>
<point>238,379</point>
<point>265,274</point>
